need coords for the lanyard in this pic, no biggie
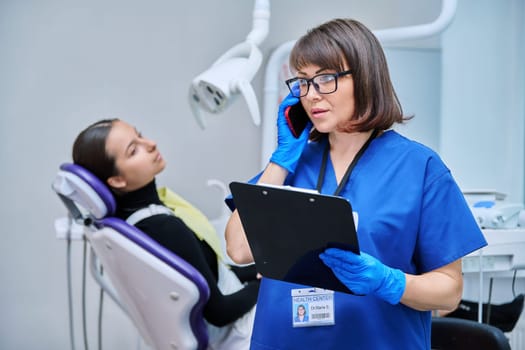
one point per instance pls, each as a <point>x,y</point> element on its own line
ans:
<point>348,172</point>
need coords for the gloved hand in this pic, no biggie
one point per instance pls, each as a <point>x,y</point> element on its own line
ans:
<point>363,274</point>
<point>289,148</point>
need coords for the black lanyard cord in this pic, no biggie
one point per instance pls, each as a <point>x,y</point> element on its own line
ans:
<point>344,180</point>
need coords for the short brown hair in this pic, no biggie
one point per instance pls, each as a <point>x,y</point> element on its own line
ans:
<point>345,43</point>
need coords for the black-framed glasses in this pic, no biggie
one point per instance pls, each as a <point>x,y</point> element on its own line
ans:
<point>325,83</point>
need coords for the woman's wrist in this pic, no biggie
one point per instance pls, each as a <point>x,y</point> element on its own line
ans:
<point>274,174</point>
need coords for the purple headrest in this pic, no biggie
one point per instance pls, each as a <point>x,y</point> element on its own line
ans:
<point>90,192</point>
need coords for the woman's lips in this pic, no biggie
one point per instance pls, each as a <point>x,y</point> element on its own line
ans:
<point>317,112</point>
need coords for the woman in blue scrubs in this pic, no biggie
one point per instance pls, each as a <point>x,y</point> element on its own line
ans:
<point>414,224</point>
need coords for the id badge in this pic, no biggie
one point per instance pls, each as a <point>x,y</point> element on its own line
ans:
<point>312,307</point>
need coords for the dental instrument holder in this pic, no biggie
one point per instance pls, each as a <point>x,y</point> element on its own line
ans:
<point>168,316</point>
<point>215,89</point>
<point>492,211</point>
<point>497,215</point>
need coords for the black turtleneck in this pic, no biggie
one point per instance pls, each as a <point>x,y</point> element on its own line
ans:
<point>173,234</point>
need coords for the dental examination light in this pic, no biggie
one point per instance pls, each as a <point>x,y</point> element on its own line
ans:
<point>230,75</point>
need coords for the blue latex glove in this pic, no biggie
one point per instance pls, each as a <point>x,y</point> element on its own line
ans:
<point>289,148</point>
<point>364,275</point>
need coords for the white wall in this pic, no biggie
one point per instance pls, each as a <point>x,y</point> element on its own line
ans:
<point>65,64</point>
<point>416,75</point>
<point>483,110</point>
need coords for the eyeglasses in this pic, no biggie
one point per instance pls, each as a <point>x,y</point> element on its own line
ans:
<point>325,83</point>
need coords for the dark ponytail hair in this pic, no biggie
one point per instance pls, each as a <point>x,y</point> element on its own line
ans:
<point>89,150</point>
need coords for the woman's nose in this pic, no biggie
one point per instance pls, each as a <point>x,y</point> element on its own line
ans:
<point>312,92</point>
<point>150,145</point>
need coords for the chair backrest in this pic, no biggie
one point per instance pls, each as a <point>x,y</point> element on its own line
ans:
<point>450,333</point>
<point>163,295</point>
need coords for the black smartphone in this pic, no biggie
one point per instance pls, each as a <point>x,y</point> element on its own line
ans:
<point>296,118</point>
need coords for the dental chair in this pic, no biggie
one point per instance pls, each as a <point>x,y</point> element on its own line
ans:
<point>450,333</point>
<point>163,295</point>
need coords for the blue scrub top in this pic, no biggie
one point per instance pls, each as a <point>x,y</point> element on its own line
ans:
<point>412,216</point>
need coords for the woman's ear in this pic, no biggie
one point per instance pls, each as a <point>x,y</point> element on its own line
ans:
<point>116,182</point>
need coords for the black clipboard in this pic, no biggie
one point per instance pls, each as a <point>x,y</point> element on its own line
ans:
<point>288,228</point>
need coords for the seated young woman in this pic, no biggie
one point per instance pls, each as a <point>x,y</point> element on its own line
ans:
<point>127,162</point>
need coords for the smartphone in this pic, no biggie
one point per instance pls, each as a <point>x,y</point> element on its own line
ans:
<point>296,118</point>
